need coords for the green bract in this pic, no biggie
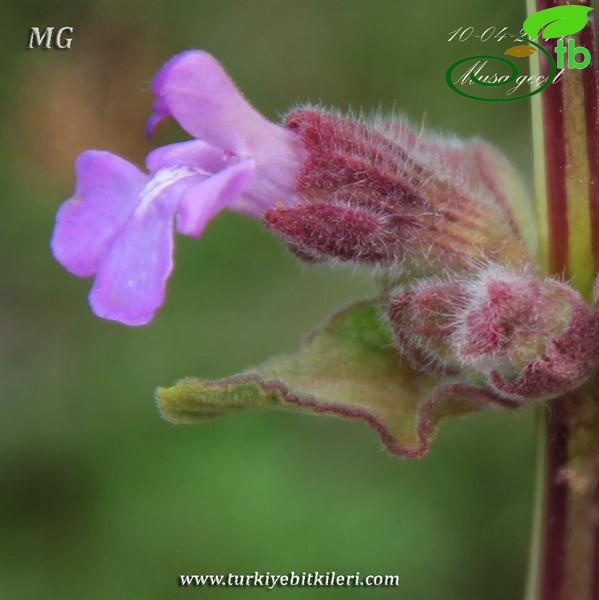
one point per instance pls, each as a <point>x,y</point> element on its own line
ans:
<point>349,367</point>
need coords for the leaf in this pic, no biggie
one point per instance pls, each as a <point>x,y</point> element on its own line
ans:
<point>558,21</point>
<point>520,51</point>
<point>348,368</point>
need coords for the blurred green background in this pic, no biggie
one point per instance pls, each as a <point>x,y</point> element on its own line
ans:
<point>99,497</point>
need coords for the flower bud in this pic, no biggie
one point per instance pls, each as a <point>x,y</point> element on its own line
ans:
<point>533,338</point>
<point>529,338</point>
<point>422,317</point>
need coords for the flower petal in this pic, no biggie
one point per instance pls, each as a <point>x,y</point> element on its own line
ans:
<point>105,196</point>
<point>130,284</point>
<point>193,88</point>
<point>194,153</point>
<point>202,202</point>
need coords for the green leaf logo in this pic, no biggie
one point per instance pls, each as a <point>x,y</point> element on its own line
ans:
<point>557,21</point>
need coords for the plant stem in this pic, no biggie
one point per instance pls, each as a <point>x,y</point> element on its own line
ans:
<point>567,567</point>
<point>565,558</point>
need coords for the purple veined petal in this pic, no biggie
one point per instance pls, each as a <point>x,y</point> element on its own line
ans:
<point>193,153</point>
<point>202,202</point>
<point>130,283</point>
<point>194,89</point>
<point>105,196</point>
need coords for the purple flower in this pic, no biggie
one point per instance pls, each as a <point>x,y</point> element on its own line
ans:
<point>194,89</point>
<point>118,226</point>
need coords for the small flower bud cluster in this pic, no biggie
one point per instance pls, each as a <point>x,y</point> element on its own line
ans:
<point>529,338</point>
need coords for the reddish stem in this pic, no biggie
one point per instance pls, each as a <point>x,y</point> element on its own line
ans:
<point>555,505</point>
<point>568,566</point>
